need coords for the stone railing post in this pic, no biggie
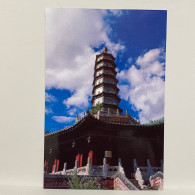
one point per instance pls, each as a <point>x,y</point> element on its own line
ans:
<point>54,169</point>
<point>119,162</point>
<point>135,165</point>
<point>150,171</point>
<point>120,168</point>
<point>76,166</point>
<point>88,168</point>
<point>105,168</point>
<point>64,169</point>
<point>139,178</point>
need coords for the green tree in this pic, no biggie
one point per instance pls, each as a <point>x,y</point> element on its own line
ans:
<point>95,109</point>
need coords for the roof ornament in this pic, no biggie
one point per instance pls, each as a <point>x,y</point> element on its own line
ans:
<point>77,119</point>
<point>47,132</point>
<point>88,112</point>
<point>127,113</point>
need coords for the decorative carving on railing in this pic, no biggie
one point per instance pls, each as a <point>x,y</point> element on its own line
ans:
<point>122,182</point>
<point>143,174</point>
<point>70,172</point>
<point>92,170</point>
<point>139,178</point>
<point>156,181</point>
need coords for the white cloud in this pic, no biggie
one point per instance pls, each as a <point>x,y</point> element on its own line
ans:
<point>150,57</point>
<point>132,75</point>
<point>146,87</point>
<point>116,12</point>
<point>72,111</point>
<point>81,114</point>
<point>50,98</point>
<point>114,48</point>
<point>79,98</point>
<point>113,12</point>
<point>48,110</point>
<point>63,119</point>
<point>124,89</point>
<point>70,36</point>
<point>130,60</point>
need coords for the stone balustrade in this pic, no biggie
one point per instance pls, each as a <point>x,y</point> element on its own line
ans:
<point>143,174</point>
<point>92,170</point>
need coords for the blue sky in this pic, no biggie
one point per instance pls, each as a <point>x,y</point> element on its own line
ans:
<point>137,38</point>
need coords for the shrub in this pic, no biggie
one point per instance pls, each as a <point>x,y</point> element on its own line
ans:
<point>76,182</point>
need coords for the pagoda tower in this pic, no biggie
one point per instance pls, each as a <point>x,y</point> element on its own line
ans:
<point>105,90</point>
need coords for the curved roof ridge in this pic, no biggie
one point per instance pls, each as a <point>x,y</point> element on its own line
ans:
<point>80,120</point>
<point>157,122</point>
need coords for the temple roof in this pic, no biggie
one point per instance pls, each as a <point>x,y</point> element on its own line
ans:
<point>89,116</point>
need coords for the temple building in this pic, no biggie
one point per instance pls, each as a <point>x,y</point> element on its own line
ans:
<point>108,144</point>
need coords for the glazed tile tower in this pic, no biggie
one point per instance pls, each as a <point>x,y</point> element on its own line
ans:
<point>105,90</point>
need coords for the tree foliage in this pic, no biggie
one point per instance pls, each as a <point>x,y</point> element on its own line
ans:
<point>95,109</point>
<point>76,182</point>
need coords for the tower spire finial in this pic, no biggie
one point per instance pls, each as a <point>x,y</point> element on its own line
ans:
<point>105,49</point>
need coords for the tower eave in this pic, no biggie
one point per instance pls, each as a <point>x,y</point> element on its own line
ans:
<point>106,68</point>
<point>104,60</point>
<point>106,85</point>
<point>108,54</point>
<point>106,95</point>
<point>106,76</point>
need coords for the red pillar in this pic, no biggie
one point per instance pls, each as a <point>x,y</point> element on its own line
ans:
<point>80,160</point>
<point>91,156</point>
<point>55,161</point>
<point>57,165</point>
<point>77,157</point>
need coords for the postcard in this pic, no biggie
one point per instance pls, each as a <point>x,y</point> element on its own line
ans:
<point>104,99</point>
